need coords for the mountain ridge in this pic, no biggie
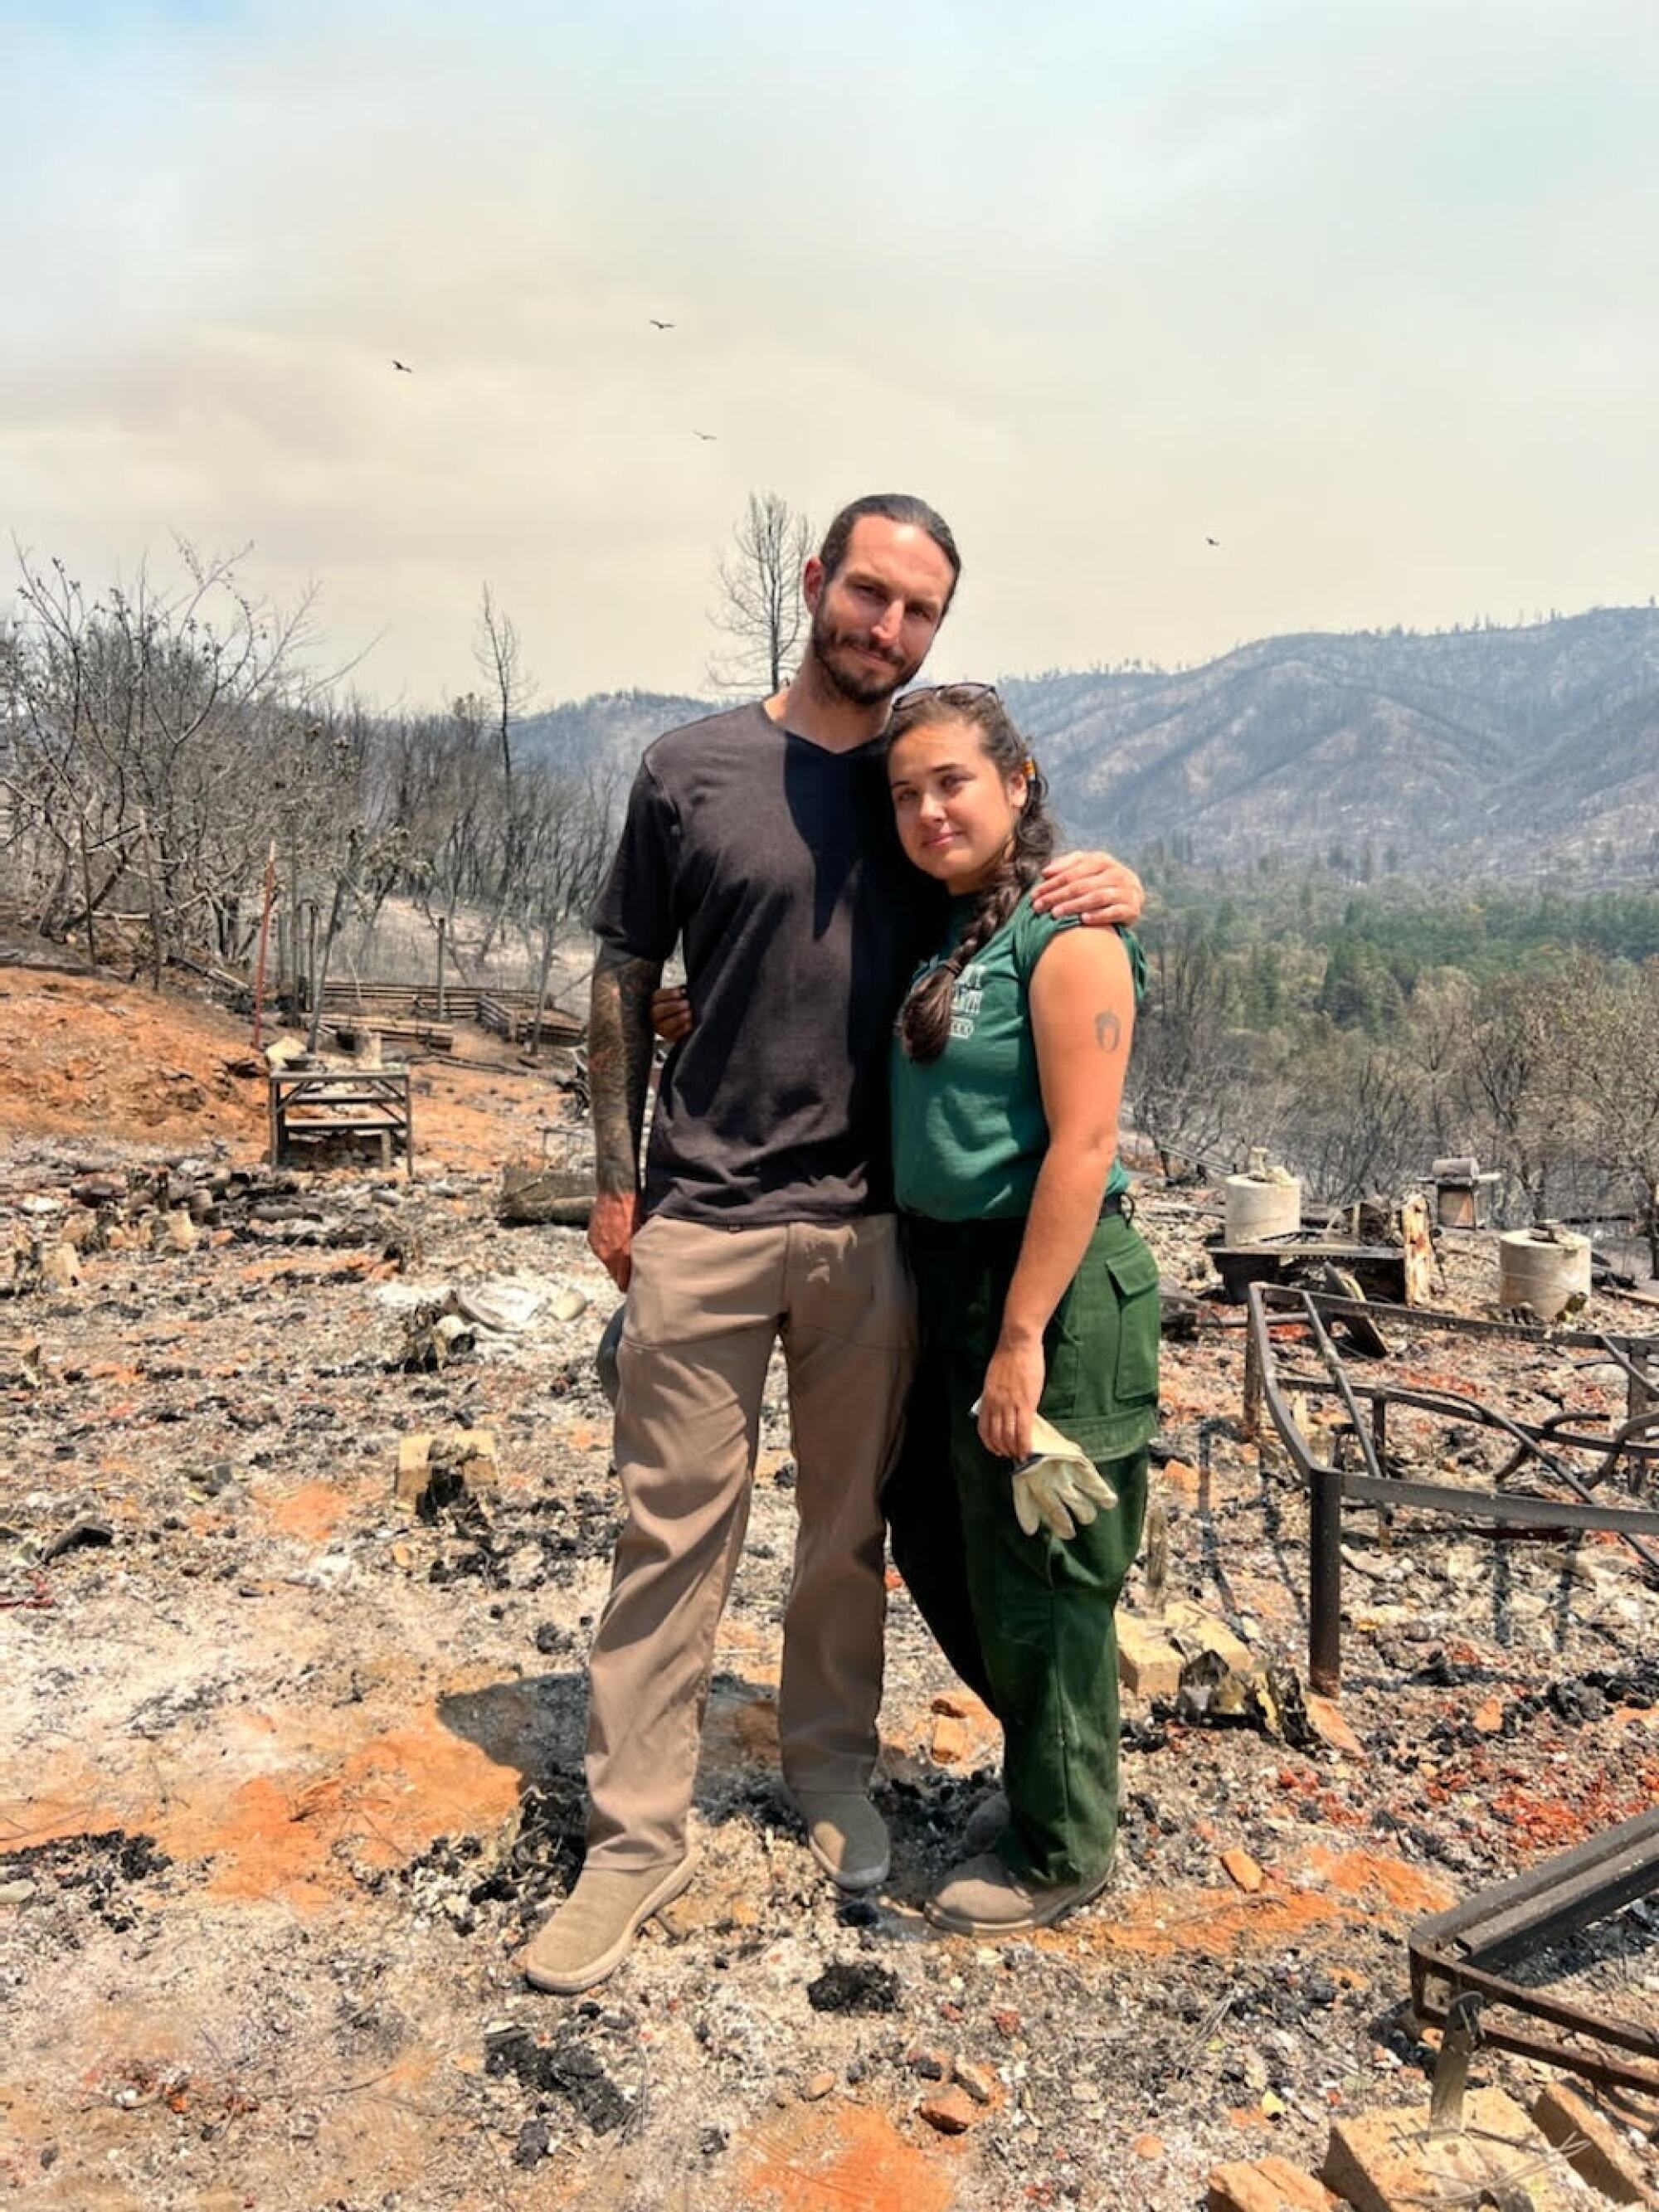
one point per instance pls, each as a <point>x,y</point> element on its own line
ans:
<point>1533,749</point>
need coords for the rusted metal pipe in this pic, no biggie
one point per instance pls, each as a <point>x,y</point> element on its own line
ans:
<point>1454,1956</point>
<point>1328,1486</point>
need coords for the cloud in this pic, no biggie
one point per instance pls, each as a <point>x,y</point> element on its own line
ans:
<point>1351,289</point>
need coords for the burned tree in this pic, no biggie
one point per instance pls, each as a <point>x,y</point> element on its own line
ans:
<point>759,608</point>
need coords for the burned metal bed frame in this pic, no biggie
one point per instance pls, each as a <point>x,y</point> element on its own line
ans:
<point>1454,1956</point>
<point>1538,1448</point>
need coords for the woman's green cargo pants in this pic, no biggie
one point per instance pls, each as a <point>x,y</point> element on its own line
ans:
<point>1027,1620</point>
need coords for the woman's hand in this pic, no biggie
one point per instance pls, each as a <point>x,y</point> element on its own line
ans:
<point>1013,1384</point>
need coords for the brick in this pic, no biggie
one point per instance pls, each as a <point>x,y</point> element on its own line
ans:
<point>1265,2184</point>
<point>951,1742</point>
<point>1331,1728</point>
<point>1243,1869</point>
<point>1606,2161</point>
<point>1388,2161</point>
<point>1148,1664</point>
<point>952,2113</point>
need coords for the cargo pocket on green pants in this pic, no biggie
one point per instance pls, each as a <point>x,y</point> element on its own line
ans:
<point>1103,1345</point>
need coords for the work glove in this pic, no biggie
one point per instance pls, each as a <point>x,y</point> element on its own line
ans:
<point>1057,1488</point>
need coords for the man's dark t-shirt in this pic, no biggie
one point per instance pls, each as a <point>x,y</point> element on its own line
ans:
<point>777,864</point>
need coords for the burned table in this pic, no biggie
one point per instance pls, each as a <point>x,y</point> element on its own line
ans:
<point>317,1105</point>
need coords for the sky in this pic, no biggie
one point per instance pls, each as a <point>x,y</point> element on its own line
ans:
<point>1363,289</point>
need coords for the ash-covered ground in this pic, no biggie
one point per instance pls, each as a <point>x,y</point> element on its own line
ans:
<point>288,1769</point>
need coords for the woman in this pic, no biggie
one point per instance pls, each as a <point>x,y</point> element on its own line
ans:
<point>1038,1302</point>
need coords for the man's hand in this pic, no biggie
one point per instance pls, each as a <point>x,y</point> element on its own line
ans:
<point>611,1227</point>
<point>670,1012</point>
<point>1100,890</point>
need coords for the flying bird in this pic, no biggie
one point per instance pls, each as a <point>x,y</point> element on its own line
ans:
<point>403,365</point>
<point>708,437</point>
<point>1213,541</point>
<point>656,325</point>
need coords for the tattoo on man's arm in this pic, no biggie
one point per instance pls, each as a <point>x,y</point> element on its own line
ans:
<point>1109,1032</point>
<point>619,1049</point>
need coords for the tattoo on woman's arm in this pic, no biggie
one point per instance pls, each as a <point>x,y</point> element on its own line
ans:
<point>619,1048</point>
<point>1109,1032</point>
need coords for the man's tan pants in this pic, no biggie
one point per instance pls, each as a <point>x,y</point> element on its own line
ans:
<point>704,1308</point>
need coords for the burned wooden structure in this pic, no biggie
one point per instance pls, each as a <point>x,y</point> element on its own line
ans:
<point>1555,1479</point>
<point>422,1014</point>
<point>355,1105</point>
<point>352,1032</point>
<point>1388,1255</point>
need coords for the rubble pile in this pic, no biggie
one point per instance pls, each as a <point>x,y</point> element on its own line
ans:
<point>294,1610</point>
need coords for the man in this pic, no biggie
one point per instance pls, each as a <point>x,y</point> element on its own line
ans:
<point>763,840</point>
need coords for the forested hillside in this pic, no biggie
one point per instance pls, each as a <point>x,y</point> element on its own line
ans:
<point>1535,751</point>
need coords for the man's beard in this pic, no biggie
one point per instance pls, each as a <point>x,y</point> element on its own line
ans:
<point>858,687</point>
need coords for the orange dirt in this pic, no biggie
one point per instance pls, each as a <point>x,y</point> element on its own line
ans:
<point>314,1511</point>
<point>815,2161</point>
<point>292,1832</point>
<point>1161,1923</point>
<point>1357,1874</point>
<point>86,1056</point>
<point>81,1054</point>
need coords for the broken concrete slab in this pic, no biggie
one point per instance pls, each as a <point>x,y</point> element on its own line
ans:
<point>1389,2161</point>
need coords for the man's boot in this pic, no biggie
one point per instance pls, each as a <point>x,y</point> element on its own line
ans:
<point>846,1835</point>
<point>589,1934</point>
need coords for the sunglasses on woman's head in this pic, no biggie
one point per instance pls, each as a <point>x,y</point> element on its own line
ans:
<point>950,694</point>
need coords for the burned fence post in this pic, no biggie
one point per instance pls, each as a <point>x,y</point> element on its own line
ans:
<point>1251,1421</point>
<point>1325,1580</point>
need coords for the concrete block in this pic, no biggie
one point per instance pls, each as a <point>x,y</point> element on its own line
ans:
<point>1148,1664</point>
<point>1265,2184</point>
<point>1602,2155</point>
<point>1388,2161</point>
<point>442,1460</point>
